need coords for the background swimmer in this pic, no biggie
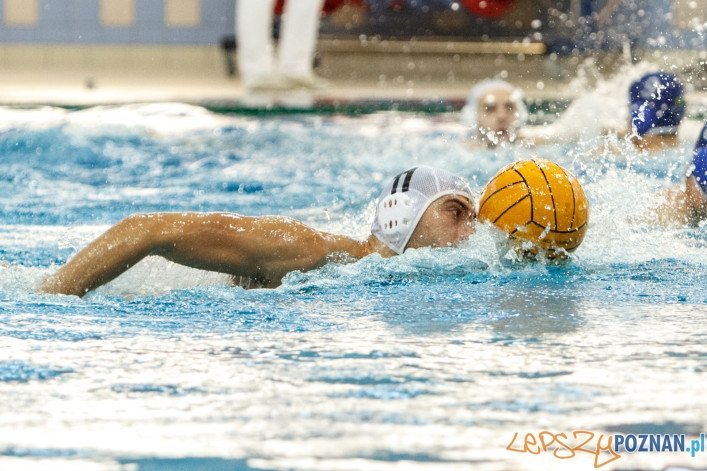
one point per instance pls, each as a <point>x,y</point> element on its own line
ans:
<point>656,107</point>
<point>422,207</point>
<point>603,109</point>
<point>494,112</point>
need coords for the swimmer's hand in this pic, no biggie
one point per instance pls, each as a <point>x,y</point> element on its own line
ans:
<point>682,205</point>
<point>514,250</point>
<point>263,249</point>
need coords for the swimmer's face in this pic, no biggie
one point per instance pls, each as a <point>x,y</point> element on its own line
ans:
<point>446,222</point>
<point>497,112</point>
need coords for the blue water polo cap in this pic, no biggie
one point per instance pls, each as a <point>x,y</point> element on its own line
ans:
<point>699,161</point>
<point>657,104</point>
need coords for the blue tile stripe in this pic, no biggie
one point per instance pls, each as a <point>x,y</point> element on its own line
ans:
<point>78,21</point>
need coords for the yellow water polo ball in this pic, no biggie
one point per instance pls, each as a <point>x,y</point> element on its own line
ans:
<point>537,201</point>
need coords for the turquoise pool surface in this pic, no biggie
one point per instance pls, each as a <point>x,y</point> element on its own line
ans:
<point>430,360</point>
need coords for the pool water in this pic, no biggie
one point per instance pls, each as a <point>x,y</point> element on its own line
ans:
<point>430,360</point>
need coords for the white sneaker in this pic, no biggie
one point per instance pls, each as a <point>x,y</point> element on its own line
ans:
<point>310,81</point>
<point>269,82</point>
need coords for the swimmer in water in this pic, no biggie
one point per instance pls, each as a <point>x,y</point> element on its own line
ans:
<point>494,112</point>
<point>652,120</point>
<point>656,109</point>
<point>686,204</point>
<point>422,207</point>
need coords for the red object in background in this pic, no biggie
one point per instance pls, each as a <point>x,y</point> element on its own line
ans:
<point>329,5</point>
<point>397,5</point>
<point>488,8</point>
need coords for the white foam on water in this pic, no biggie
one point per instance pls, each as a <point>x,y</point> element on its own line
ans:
<point>156,119</point>
<point>31,118</point>
<point>21,279</point>
<point>622,226</point>
<point>155,276</point>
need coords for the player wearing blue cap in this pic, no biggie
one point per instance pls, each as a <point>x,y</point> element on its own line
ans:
<point>699,162</point>
<point>422,207</point>
<point>687,204</point>
<point>657,107</point>
<point>696,181</point>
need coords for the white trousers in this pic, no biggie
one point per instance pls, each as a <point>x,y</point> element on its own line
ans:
<point>298,35</point>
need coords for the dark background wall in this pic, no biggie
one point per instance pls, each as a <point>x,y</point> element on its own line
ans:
<point>643,23</point>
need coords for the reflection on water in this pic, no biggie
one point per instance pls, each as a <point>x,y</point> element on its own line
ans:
<point>431,360</point>
<point>537,312</point>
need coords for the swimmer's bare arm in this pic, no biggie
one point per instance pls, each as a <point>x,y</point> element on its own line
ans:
<point>683,205</point>
<point>262,248</point>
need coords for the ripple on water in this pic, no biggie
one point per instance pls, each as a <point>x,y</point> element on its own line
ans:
<point>23,372</point>
<point>166,389</point>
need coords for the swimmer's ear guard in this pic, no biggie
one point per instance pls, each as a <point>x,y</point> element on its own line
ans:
<point>395,214</point>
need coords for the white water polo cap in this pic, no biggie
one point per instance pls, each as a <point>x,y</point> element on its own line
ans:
<point>405,199</point>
